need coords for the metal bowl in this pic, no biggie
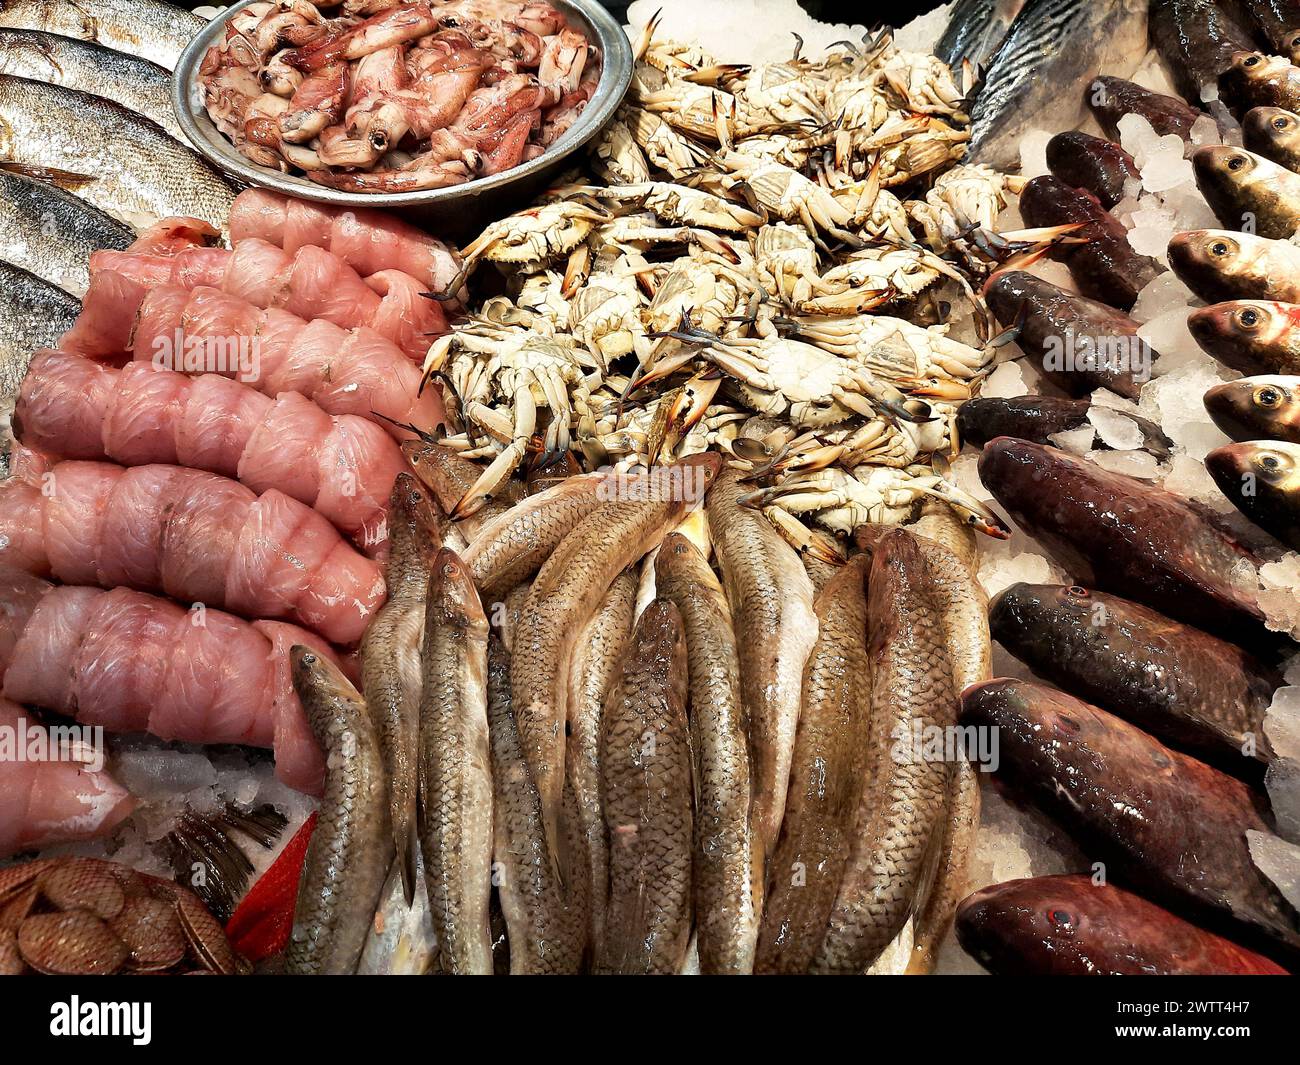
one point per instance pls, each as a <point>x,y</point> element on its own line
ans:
<point>456,210</point>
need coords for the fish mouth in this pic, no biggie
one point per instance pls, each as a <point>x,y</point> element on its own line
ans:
<point>1209,327</point>
<point>1192,255</point>
<point>1227,465</point>
<point>1230,408</point>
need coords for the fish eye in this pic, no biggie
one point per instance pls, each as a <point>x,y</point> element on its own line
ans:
<point>1237,162</point>
<point>1269,461</point>
<point>1219,248</point>
<point>1062,919</point>
<point>1248,317</point>
<point>1075,592</point>
<point>1281,122</point>
<point>1065,723</point>
<point>1268,396</point>
<point>1250,61</point>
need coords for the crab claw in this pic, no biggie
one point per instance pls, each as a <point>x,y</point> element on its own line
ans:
<point>504,465</point>
<point>803,539</point>
<point>974,513</point>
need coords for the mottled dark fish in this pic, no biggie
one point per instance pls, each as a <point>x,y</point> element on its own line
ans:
<point>1189,688</point>
<point>976,30</point>
<point>1247,191</point>
<point>1087,162</point>
<point>1037,78</point>
<point>151,29</point>
<point>1171,825</point>
<point>1257,408</point>
<point>1262,479</point>
<point>1039,418</point>
<point>1253,336</point>
<point>136,84</point>
<point>1071,926</point>
<point>1113,98</point>
<point>1106,267</point>
<point>1125,536</point>
<point>1196,39</point>
<point>1080,344</point>
<point>1220,265</point>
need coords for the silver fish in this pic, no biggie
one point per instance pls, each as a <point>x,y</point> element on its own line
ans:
<point>135,83</point>
<point>125,164</point>
<point>1039,76</point>
<point>150,29</point>
<point>976,29</point>
<point>51,233</point>
<point>401,940</point>
<point>33,314</point>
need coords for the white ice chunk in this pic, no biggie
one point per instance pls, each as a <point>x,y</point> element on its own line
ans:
<point>1279,861</point>
<point>1138,464</point>
<point>1075,441</point>
<point>1115,429</point>
<point>1206,131</point>
<point>1005,381</point>
<point>1033,153</point>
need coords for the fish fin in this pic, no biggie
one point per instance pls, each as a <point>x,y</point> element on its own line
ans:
<point>408,846</point>
<point>64,179</point>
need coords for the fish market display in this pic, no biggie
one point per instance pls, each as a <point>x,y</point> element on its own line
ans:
<point>624,591</point>
<point>398,97</point>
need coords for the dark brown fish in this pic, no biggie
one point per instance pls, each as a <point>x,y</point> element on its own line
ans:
<point>1191,689</point>
<point>1039,418</point>
<point>350,850</point>
<point>1125,536</point>
<point>1219,265</point>
<point>1257,408</point>
<point>902,805</point>
<point>1087,162</point>
<point>1071,926</point>
<point>1273,133</point>
<point>1196,39</point>
<point>1257,80</point>
<point>1262,479</point>
<point>1274,20</point>
<point>825,779</point>
<point>1253,336</point>
<point>1081,344</point>
<point>1105,268</point>
<point>1113,98</point>
<point>646,762</point>
<point>1247,191</point>
<point>1172,825</point>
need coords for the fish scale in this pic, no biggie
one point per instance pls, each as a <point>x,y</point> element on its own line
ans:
<point>139,173</point>
<point>52,233</point>
<point>455,825</point>
<point>151,29</point>
<point>976,30</point>
<point>33,314</point>
<point>1038,77</point>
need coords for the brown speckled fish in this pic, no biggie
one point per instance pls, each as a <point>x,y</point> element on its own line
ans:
<point>546,934</point>
<point>390,657</point>
<point>646,767</point>
<point>825,779</point>
<point>631,519</point>
<point>350,850</point>
<point>455,775</point>
<point>597,661</point>
<point>728,856</point>
<point>900,816</point>
<point>771,601</point>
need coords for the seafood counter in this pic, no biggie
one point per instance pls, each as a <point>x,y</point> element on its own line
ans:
<point>826,531</point>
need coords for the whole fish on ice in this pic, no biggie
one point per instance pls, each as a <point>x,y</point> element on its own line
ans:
<point>151,29</point>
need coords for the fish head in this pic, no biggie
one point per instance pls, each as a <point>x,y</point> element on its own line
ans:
<point>1242,333</point>
<point>453,599</point>
<point>1245,69</point>
<point>1022,610</point>
<point>1016,291</point>
<point>445,473</point>
<point>1027,926</point>
<point>1202,257</point>
<point>1288,44</point>
<point>1222,172</point>
<point>1009,466</point>
<point>1264,471</point>
<point>411,504</point>
<point>1270,126</point>
<point>1255,408</point>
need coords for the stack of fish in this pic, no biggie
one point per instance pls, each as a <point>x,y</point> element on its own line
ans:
<point>1157,773</point>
